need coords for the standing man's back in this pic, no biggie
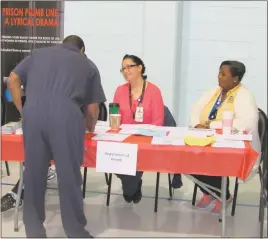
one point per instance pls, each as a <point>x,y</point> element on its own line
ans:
<point>58,81</point>
<point>61,71</point>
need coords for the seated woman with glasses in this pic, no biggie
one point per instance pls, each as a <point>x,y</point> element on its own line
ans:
<point>230,95</point>
<point>140,102</point>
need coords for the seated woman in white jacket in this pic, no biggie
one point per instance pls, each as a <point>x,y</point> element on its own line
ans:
<point>230,95</point>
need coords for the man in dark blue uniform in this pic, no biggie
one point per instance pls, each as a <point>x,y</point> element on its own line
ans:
<point>58,80</point>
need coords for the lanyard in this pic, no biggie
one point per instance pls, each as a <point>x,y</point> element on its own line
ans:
<point>217,104</point>
<point>140,99</point>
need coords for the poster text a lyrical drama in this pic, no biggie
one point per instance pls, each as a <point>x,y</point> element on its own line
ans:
<point>47,17</point>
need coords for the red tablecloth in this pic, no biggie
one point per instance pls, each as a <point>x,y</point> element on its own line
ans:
<point>161,158</point>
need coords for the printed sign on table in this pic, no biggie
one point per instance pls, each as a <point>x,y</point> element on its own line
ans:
<point>119,158</point>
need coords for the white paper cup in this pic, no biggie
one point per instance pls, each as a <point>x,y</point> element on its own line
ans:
<point>227,122</point>
<point>115,120</point>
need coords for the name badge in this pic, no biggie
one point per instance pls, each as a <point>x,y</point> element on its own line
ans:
<point>139,114</point>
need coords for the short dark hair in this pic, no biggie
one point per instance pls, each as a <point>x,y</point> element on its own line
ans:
<point>138,62</point>
<point>74,40</point>
<point>237,68</point>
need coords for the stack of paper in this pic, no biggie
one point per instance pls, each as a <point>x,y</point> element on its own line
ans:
<point>235,137</point>
<point>185,131</point>
<point>151,132</point>
<point>19,131</point>
<point>167,141</point>
<point>110,137</point>
<point>101,129</point>
<point>143,129</point>
<point>128,131</point>
<point>11,127</point>
<point>229,144</point>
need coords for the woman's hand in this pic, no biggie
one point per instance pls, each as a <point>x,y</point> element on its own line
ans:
<point>201,126</point>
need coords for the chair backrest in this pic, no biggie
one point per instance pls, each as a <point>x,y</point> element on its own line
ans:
<point>265,185</point>
<point>168,118</point>
<point>103,115</point>
<point>262,128</point>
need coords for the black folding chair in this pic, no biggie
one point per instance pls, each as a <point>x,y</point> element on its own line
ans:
<point>103,115</point>
<point>262,128</point>
<point>263,168</point>
<point>168,121</point>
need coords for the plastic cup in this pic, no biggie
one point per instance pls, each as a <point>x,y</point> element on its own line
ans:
<point>115,121</point>
<point>227,122</point>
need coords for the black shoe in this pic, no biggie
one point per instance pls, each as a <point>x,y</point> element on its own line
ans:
<point>176,181</point>
<point>8,203</point>
<point>138,195</point>
<point>127,198</point>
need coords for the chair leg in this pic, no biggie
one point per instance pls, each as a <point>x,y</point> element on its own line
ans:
<point>84,182</point>
<point>156,192</point>
<point>170,187</point>
<point>194,194</point>
<point>235,197</point>
<point>109,189</point>
<point>261,217</point>
<point>7,168</point>
<point>16,214</point>
<point>107,178</point>
<point>260,207</point>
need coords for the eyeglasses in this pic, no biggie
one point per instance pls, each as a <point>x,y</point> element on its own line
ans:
<point>127,68</point>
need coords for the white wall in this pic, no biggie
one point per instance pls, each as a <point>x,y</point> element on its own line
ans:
<point>112,29</point>
<point>214,31</point>
<point>183,64</point>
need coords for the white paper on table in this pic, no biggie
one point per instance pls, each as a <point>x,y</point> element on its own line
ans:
<point>102,123</point>
<point>235,137</point>
<point>183,131</point>
<point>10,127</point>
<point>101,129</point>
<point>117,158</point>
<point>168,128</point>
<point>229,144</point>
<point>111,137</point>
<point>19,131</point>
<point>177,131</point>
<point>137,126</point>
<point>167,141</point>
<point>151,132</point>
<point>128,131</point>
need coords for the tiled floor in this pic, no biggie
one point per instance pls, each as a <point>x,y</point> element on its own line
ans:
<point>174,218</point>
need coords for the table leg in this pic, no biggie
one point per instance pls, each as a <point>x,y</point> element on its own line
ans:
<point>170,187</point>
<point>156,192</point>
<point>109,190</point>
<point>7,168</point>
<point>223,206</point>
<point>84,182</point>
<point>16,214</point>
